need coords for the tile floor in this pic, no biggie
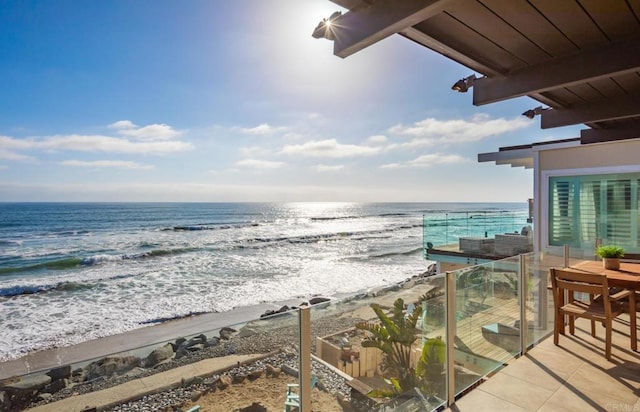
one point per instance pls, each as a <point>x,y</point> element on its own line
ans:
<point>574,376</point>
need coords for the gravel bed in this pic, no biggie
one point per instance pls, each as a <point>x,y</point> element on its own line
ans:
<point>171,400</point>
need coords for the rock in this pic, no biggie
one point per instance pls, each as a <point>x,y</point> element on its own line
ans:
<point>238,378</point>
<point>212,342</point>
<point>319,299</point>
<point>195,348</point>
<point>77,376</point>
<point>224,382</point>
<point>44,396</point>
<point>179,342</point>
<point>159,355</point>
<point>226,333</point>
<point>290,371</point>
<point>269,368</point>
<point>276,372</point>
<point>111,365</point>
<point>56,386</point>
<point>254,407</point>
<point>255,374</point>
<point>63,372</point>
<point>28,384</point>
<point>195,395</point>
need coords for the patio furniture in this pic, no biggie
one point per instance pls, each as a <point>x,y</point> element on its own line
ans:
<point>292,398</point>
<point>601,306</point>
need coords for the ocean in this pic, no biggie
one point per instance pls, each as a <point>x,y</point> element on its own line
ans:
<point>72,272</point>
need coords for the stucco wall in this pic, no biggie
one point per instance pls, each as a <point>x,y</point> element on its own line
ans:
<point>593,155</point>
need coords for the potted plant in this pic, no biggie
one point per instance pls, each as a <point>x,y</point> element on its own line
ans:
<point>610,255</point>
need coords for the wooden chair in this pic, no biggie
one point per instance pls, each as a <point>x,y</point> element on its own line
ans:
<point>601,306</point>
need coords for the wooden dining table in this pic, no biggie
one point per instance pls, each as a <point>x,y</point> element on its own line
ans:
<point>627,277</point>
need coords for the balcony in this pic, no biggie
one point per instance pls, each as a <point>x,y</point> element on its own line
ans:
<point>494,320</point>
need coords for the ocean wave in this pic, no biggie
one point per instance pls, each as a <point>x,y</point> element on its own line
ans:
<point>76,262</point>
<point>364,235</point>
<point>61,264</point>
<point>10,242</point>
<point>396,253</point>
<point>190,228</point>
<point>17,290</point>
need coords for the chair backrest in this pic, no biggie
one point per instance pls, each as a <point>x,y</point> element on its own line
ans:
<point>578,281</point>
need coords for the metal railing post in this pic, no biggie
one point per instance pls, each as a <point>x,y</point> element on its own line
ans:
<point>450,295</point>
<point>304,368</point>
<point>566,256</point>
<point>523,304</point>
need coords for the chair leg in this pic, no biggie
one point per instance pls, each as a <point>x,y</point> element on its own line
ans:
<point>593,328</point>
<point>572,325</point>
<point>608,340</point>
<point>558,328</point>
<point>632,322</point>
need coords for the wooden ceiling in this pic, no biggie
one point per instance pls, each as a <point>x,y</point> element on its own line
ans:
<point>579,58</point>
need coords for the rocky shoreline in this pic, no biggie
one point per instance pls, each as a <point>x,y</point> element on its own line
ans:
<point>275,335</point>
<point>110,371</point>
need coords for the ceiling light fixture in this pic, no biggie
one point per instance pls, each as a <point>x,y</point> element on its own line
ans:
<point>325,29</point>
<point>531,113</point>
<point>463,85</point>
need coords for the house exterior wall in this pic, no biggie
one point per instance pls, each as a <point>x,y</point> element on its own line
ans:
<point>593,159</point>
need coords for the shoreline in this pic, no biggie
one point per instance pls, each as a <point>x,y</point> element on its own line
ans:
<point>149,337</point>
<point>134,340</point>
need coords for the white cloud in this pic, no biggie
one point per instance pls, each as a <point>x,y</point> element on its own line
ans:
<point>10,155</point>
<point>151,132</point>
<point>122,124</point>
<point>391,166</point>
<point>480,126</point>
<point>261,129</point>
<point>328,168</point>
<point>94,143</point>
<point>435,159</point>
<point>121,164</point>
<point>259,164</point>
<point>99,143</point>
<point>377,139</point>
<point>254,151</point>
<point>329,149</point>
<point>428,160</point>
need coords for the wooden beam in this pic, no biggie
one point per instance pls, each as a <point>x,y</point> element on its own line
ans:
<point>617,58</point>
<point>356,30</point>
<point>602,110</point>
<point>433,44</point>
<point>588,136</point>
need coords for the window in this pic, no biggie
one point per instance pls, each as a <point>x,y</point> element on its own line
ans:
<point>585,208</point>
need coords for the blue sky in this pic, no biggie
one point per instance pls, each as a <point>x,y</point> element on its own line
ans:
<point>154,100</point>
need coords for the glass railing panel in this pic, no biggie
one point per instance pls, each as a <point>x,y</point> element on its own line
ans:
<point>539,300</point>
<point>487,320</point>
<point>346,335</point>
<point>254,352</point>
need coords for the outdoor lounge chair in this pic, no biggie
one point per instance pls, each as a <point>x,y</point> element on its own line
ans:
<point>292,398</point>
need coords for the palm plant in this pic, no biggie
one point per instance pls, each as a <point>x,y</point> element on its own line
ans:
<point>394,335</point>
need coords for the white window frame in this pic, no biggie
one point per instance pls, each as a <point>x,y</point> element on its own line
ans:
<point>544,196</point>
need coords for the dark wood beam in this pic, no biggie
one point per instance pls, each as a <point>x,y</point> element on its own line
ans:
<point>356,30</point>
<point>617,58</point>
<point>602,110</point>
<point>588,136</point>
